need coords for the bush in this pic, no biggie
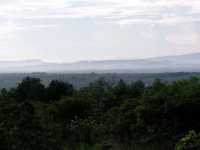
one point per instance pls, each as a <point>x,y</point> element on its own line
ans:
<point>190,142</point>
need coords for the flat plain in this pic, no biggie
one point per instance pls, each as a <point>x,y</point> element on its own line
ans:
<point>80,80</point>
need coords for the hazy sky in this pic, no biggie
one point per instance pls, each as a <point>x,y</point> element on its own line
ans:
<point>71,30</point>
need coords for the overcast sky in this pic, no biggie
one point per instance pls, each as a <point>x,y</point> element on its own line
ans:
<point>71,30</point>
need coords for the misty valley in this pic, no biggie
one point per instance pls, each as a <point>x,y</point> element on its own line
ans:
<point>137,104</point>
<point>175,63</point>
<point>99,75</point>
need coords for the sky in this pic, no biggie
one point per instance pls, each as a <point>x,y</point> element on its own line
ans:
<point>73,30</point>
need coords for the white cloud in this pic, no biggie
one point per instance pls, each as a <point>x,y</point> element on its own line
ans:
<point>183,38</point>
<point>16,55</point>
<point>45,26</point>
<point>188,36</point>
<point>63,28</point>
<point>8,26</point>
<point>119,12</point>
<point>174,19</point>
<point>150,33</point>
<point>168,19</point>
<point>134,21</point>
<point>94,8</point>
<point>2,47</point>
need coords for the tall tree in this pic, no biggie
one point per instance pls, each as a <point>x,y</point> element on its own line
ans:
<point>56,89</point>
<point>30,89</point>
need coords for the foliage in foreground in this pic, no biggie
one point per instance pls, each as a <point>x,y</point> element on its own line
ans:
<point>190,142</point>
<point>102,116</point>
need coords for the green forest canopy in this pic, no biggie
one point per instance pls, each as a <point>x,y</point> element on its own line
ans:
<point>102,116</point>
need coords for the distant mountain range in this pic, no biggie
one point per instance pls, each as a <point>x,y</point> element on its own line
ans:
<point>187,62</point>
<point>186,58</point>
<point>21,63</point>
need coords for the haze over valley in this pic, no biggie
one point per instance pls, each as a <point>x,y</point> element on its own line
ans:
<point>99,74</point>
<point>175,63</point>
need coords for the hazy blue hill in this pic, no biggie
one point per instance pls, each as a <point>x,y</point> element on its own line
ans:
<point>21,63</point>
<point>186,58</point>
<point>108,62</point>
<point>187,62</point>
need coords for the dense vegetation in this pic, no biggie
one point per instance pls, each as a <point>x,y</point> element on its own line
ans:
<point>107,114</point>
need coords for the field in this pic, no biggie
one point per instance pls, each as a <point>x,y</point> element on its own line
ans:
<point>81,80</point>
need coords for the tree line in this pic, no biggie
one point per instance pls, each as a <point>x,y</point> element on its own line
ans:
<point>105,115</point>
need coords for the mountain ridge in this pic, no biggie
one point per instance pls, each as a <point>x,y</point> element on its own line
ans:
<point>189,58</point>
<point>186,62</point>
